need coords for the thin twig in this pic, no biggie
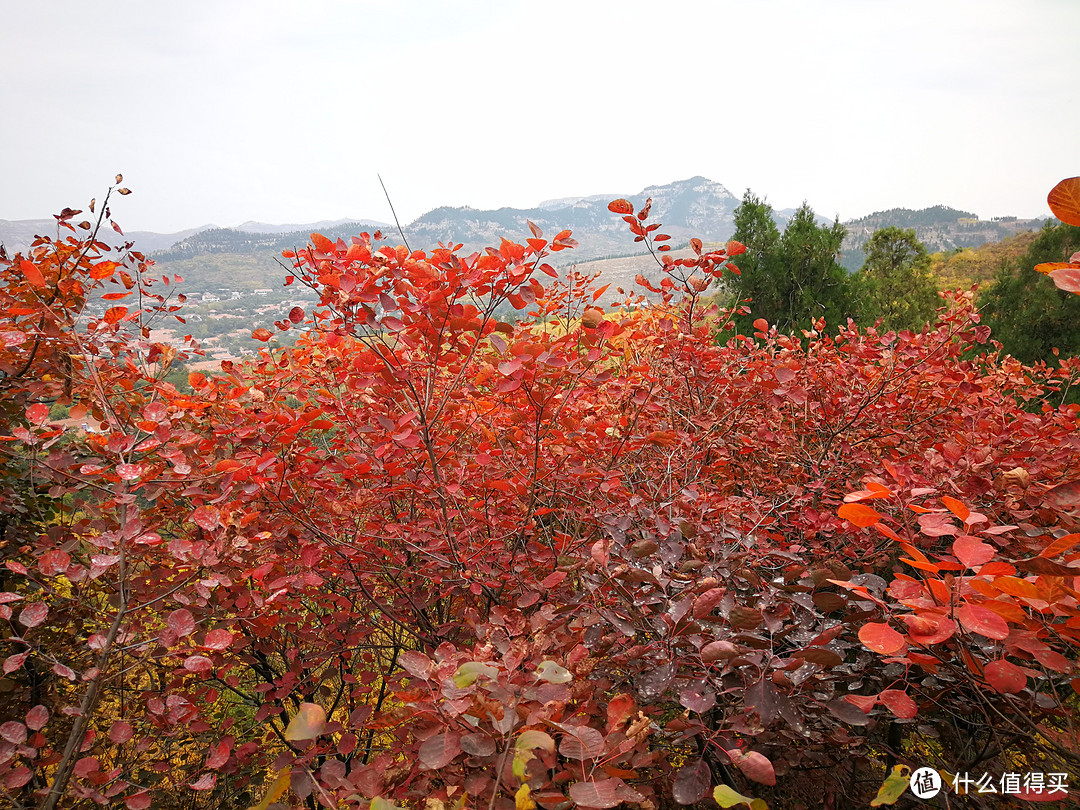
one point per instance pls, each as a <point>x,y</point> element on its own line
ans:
<point>392,211</point>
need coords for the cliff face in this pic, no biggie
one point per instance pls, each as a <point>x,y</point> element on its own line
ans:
<point>694,207</point>
<point>940,228</point>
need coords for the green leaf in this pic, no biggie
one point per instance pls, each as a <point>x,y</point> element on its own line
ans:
<point>893,787</point>
<point>522,757</point>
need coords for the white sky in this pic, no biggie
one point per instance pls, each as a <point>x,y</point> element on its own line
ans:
<point>228,110</point>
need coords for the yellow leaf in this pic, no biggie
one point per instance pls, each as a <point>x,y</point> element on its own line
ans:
<point>307,723</point>
<point>533,738</point>
<point>281,784</point>
<point>949,780</point>
<point>728,797</point>
<point>522,799</point>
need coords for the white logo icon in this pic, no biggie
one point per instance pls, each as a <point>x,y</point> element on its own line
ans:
<point>926,783</point>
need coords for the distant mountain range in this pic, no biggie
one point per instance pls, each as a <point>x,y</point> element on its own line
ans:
<point>695,207</point>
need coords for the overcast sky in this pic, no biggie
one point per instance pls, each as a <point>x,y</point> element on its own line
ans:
<point>220,111</point>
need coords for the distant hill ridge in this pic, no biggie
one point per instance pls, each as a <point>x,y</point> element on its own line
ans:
<point>694,207</point>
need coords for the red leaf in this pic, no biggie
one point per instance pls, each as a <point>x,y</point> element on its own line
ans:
<point>756,766</point>
<point>1053,660</point>
<point>34,614</point>
<point>37,414</point>
<point>881,638</point>
<point>927,629</point>
<point>602,794</point>
<point>129,472</point>
<point>218,755</point>
<point>415,663</point>
<point>120,732</point>
<point>580,742</point>
<point>859,514</point>
<point>692,782</point>
<point>18,777</point>
<point>296,314</point>
<point>262,334</point>
<point>14,732</point>
<point>198,663</point>
<point>1064,496</point>
<point>704,604</point>
<point>181,622</point>
<point>1005,676</point>
<point>983,621</point>
<point>1067,278</point>
<point>86,766</point>
<point>620,206</point>
<point>54,562</point>
<point>438,751</point>
<point>218,640</point>
<point>971,551</point>
<point>898,702</point>
<point>206,517</point>
<point>138,801</point>
<point>204,782</point>
<point>619,709</point>
<point>37,717</point>
<point>761,325</point>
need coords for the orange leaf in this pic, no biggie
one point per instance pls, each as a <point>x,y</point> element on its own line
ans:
<point>1061,545</point>
<point>115,314</point>
<point>1046,268</point>
<point>859,514</point>
<point>33,275</point>
<point>262,334</point>
<point>956,507</point>
<point>620,206</point>
<point>1064,200</point>
<point>881,638</point>
<point>321,243</point>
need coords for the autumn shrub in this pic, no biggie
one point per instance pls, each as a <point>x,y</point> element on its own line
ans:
<point>606,554</point>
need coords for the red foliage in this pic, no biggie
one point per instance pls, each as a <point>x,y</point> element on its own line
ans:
<point>595,556</point>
